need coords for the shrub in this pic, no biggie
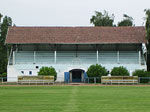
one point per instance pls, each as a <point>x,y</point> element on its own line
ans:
<point>48,71</point>
<point>140,73</point>
<point>3,75</point>
<point>96,71</point>
<point>147,74</point>
<point>119,71</point>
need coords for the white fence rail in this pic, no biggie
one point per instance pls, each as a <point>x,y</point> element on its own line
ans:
<point>92,57</point>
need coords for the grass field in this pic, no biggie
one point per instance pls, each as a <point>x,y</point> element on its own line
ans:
<point>75,99</point>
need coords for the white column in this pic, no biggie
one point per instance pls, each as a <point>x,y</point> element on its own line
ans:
<point>13,57</point>
<point>55,56</point>
<point>140,57</point>
<point>70,73</point>
<point>118,57</point>
<point>34,56</point>
<point>97,55</point>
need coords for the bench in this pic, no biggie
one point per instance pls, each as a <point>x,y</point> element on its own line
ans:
<point>35,79</point>
<point>119,80</point>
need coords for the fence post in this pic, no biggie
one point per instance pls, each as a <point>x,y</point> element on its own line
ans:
<point>95,80</point>
<point>2,80</point>
<point>139,80</point>
<point>88,80</point>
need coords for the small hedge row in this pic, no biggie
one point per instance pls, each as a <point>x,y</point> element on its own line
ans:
<point>48,71</point>
<point>98,71</point>
<point>141,73</point>
<point>120,71</point>
<point>3,75</point>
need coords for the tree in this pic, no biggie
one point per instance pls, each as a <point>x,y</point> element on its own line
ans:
<point>100,19</point>
<point>119,71</point>
<point>147,25</point>
<point>127,21</point>
<point>96,71</point>
<point>3,48</point>
<point>0,17</point>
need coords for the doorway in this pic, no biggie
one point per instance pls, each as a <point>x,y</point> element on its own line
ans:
<point>76,75</point>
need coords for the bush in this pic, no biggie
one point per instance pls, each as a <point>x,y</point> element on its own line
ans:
<point>48,71</point>
<point>119,71</point>
<point>3,75</point>
<point>96,71</point>
<point>147,74</point>
<point>140,73</point>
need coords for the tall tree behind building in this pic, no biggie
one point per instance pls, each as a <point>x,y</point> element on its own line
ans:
<point>102,19</point>
<point>6,22</point>
<point>147,25</point>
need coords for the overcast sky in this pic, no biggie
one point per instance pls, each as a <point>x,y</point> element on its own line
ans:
<point>70,12</point>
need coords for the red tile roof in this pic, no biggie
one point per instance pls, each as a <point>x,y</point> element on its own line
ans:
<point>75,35</point>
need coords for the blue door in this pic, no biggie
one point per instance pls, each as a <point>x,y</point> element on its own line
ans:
<point>85,77</point>
<point>66,77</point>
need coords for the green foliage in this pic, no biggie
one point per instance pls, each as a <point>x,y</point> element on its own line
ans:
<point>127,21</point>
<point>3,75</point>
<point>3,47</point>
<point>147,25</point>
<point>140,73</point>
<point>48,71</point>
<point>143,74</point>
<point>96,71</point>
<point>100,19</point>
<point>119,71</point>
<point>1,16</point>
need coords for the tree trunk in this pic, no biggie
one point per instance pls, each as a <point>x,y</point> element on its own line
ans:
<point>148,57</point>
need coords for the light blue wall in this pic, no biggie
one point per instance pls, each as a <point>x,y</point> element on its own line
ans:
<point>68,57</point>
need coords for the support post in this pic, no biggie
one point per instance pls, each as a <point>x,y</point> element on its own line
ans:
<point>140,57</point>
<point>70,73</point>
<point>2,80</point>
<point>55,56</point>
<point>95,80</point>
<point>34,56</point>
<point>118,57</point>
<point>13,57</point>
<point>97,56</point>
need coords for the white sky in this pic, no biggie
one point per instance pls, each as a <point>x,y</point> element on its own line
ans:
<point>70,12</point>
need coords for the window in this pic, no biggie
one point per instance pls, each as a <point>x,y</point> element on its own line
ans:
<point>37,67</point>
<point>22,72</point>
<point>30,72</point>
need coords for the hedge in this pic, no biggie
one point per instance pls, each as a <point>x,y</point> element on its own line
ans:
<point>142,73</point>
<point>48,71</point>
<point>96,71</point>
<point>119,71</point>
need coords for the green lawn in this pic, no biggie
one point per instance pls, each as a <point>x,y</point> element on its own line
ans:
<point>75,99</point>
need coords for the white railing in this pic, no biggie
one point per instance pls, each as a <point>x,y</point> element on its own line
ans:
<point>63,57</point>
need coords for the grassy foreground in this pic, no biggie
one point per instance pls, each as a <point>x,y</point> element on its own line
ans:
<point>75,99</point>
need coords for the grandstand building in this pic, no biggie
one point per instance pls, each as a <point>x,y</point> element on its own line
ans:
<point>71,50</point>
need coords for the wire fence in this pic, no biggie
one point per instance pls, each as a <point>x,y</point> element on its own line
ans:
<point>88,80</point>
<point>144,80</point>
